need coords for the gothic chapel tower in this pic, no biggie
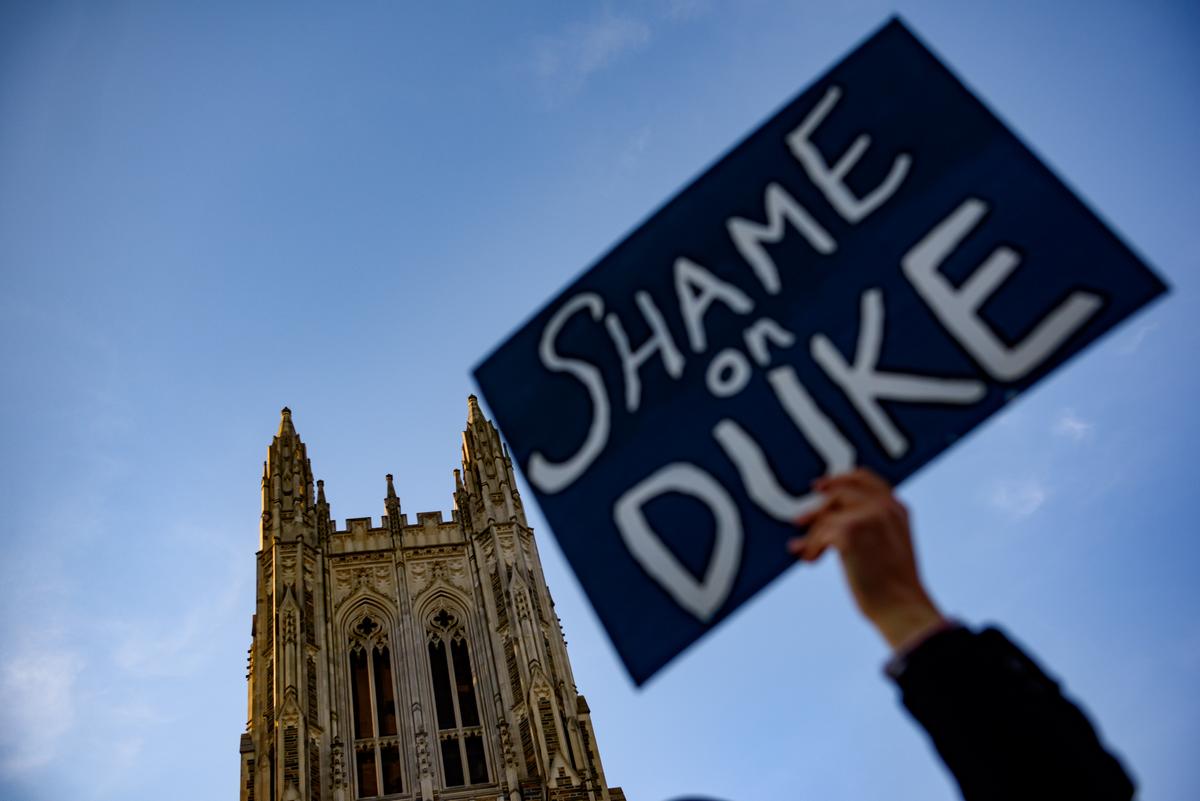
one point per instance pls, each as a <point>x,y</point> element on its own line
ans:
<point>414,660</point>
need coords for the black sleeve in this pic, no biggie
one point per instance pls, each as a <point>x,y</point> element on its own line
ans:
<point>1002,726</point>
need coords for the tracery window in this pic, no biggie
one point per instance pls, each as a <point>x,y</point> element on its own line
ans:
<point>373,701</point>
<point>460,735</point>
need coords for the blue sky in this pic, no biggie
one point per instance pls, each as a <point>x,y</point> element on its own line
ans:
<point>211,210</point>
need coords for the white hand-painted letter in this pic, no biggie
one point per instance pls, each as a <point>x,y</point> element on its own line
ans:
<point>697,288</point>
<point>551,477</point>
<point>830,180</point>
<point>958,308</point>
<point>762,332</point>
<point>749,236</point>
<point>824,437</point>
<point>632,360</point>
<point>704,597</point>
<point>865,386</point>
<point>727,374</point>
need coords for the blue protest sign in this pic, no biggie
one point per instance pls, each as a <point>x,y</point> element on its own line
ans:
<point>864,279</point>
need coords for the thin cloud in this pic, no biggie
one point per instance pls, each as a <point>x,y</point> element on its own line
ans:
<point>566,61</point>
<point>1018,498</point>
<point>1137,338</point>
<point>635,149</point>
<point>175,648</point>
<point>1074,427</point>
<point>683,10</point>
<point>38,699</point>
<point>122,756</point>
<point>180,644</point>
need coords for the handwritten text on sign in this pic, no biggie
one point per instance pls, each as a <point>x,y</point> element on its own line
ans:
<point>867,277</point>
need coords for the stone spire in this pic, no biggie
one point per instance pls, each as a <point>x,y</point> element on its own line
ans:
<point>391,503</point>
<point>487,488</point>
<point>285,424</point>
<point>288,507</point>
<point>324,521</point>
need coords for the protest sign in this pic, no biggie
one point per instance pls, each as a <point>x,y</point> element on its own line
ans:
<point>867,277</point>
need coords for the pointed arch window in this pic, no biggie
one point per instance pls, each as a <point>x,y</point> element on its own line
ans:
<point>460,735</point>
<point>377,766</point>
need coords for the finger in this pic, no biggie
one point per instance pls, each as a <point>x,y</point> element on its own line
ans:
<point>840,496</point>
<point>845,496</point>
<point>813,550</point>
<point>818,541</point>
<point>811,515</point>
<point>837,530</point>
<point>801,548</point>
<point>861,477</point>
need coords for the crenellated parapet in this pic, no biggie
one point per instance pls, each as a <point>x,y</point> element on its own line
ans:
<point>362,535</point>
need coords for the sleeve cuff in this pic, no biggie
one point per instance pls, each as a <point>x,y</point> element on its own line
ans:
<point>894,668</point>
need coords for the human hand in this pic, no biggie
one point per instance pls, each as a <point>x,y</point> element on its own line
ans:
<point>864,522</point>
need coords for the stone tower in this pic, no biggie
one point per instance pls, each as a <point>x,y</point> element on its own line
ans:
<point>415,660</point>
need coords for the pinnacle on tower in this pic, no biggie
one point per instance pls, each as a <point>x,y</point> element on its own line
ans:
<point>287,485</point>
<point>391,504</point>
<point>285,422</point>
<point>474,413</point>
<point>488,484</point>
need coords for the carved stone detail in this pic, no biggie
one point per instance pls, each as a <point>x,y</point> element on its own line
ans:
<point>287,565</point>
<point>348,581</point>
<point>429,572</point>
<point>507,548</point>
<point>337,764</point>
<point>424,766</point>
<point>506,746</point>
<point>522,601</point>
